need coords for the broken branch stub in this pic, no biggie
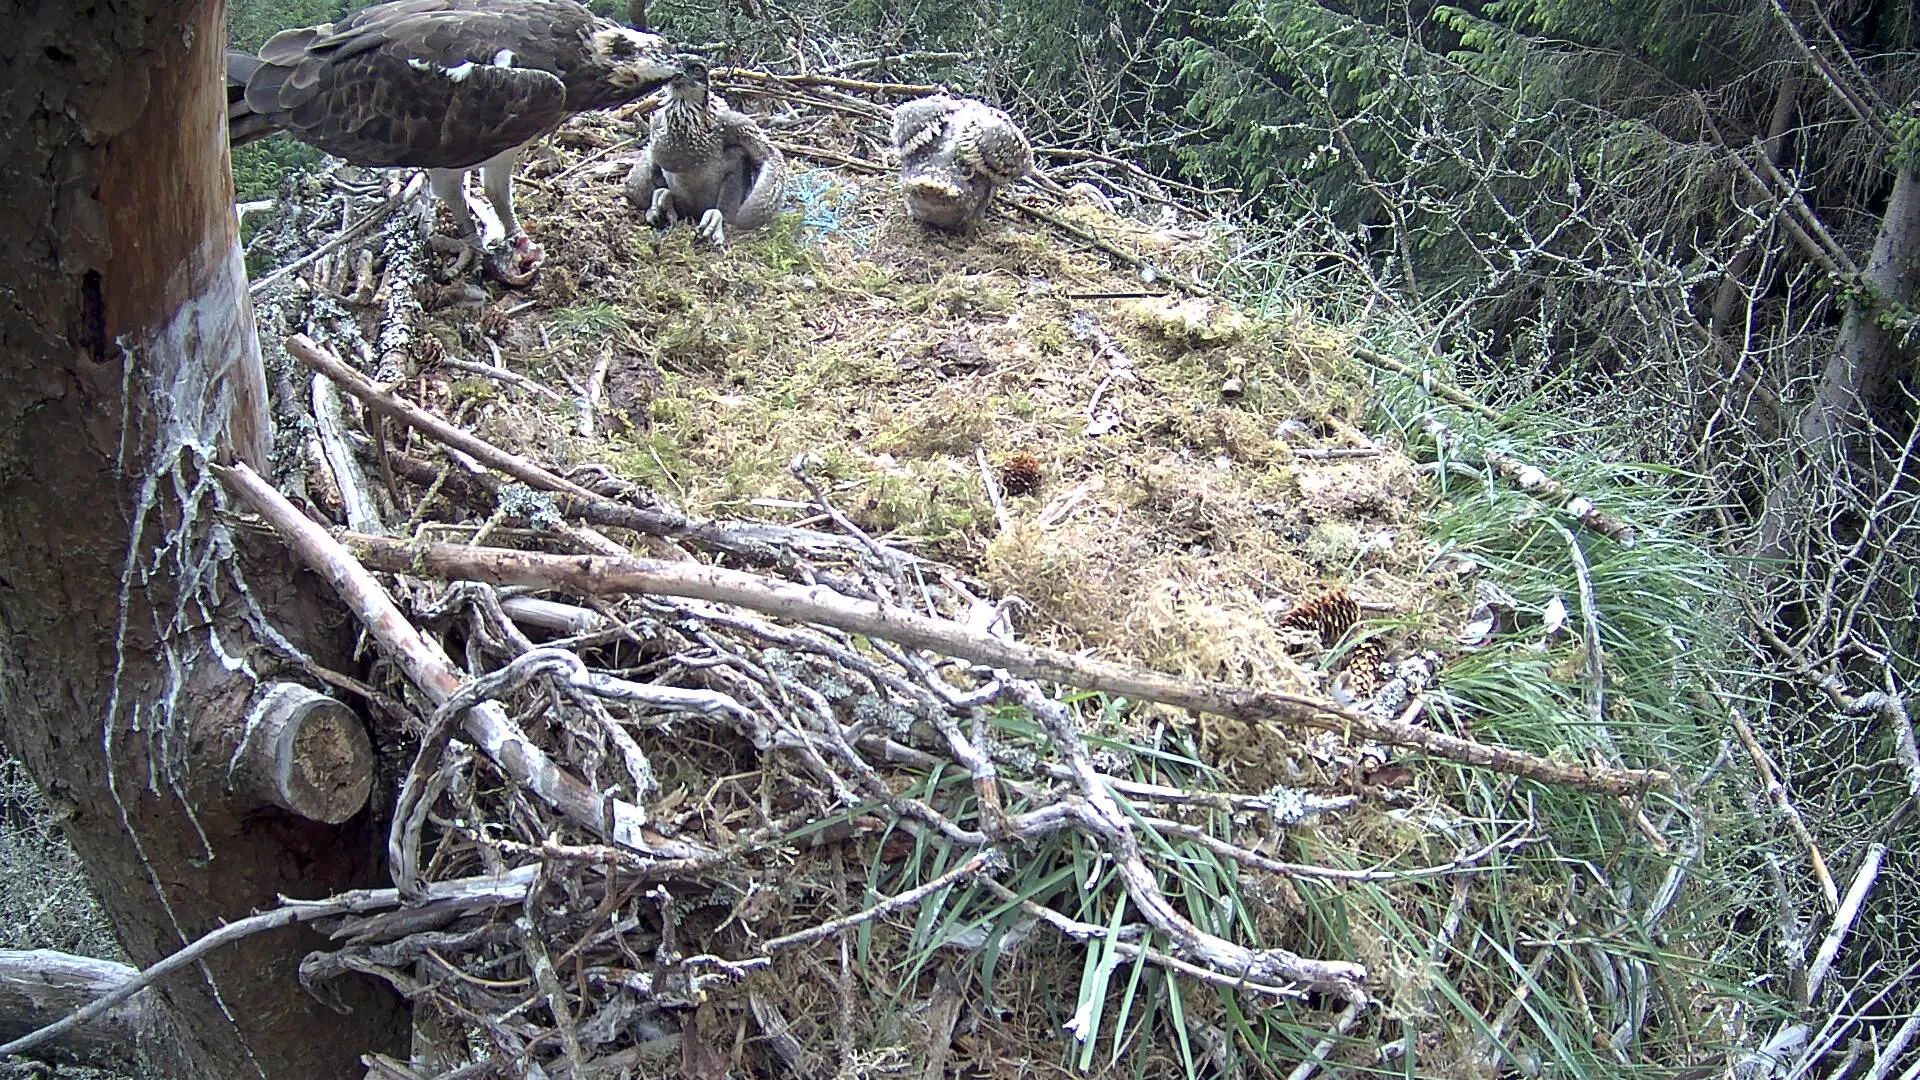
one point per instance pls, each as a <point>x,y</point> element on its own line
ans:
<point>486,725</point>
<point>305,752</point>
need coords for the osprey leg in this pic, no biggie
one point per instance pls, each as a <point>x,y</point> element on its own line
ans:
<point>515,264</point>
<point>644,185</point>
<point>449,185</point>
<point>660,209</point>
<point>496,179</point>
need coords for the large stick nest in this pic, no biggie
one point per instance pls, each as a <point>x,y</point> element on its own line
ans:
<point>839,854</point>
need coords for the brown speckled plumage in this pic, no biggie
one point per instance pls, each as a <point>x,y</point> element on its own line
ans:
<point>954,153</point>
<point>444,85</point>
<point>705,162</point>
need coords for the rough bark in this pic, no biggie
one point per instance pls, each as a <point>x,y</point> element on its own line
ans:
<point>132,623</point>
<point>1863,392</point>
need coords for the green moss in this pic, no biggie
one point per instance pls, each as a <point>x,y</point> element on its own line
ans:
<point>667,410</point>
<point>1050,337</point>
<point>870,278</point>
<point>589,320</point>
<point>961,295</point>
<point>651,459</point>
<point>780,246</point>
<point>474,389</point>
<point>935,504</point>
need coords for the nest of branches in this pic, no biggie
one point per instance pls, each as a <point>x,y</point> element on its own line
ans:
<point>795,797</point>
<point>654,801</point>
<point>640,822</point>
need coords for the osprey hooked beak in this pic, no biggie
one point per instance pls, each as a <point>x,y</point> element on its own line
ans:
<point>634,57</point>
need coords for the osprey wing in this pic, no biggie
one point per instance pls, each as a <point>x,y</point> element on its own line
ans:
<point>920,126</point>
<point>423,83</point>
<point>990,145</point>
<point>764,184</point>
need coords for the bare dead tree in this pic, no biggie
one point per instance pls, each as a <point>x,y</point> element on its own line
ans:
<point>141,684</point>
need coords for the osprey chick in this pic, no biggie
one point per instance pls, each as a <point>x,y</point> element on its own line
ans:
<point>706,162</point>
<point>954,153</point>
<point>444,85</point>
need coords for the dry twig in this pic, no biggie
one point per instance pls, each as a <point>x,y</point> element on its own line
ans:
<point>1776,793</point>
<point>409,190</point>
<point>465,894</point>
<point>1535,481</point>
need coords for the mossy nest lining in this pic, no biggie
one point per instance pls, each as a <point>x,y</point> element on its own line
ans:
<point>1172,518</point>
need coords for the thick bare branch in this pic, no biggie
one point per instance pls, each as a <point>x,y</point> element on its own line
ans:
<point>595,575</point>
<point>39,987</point>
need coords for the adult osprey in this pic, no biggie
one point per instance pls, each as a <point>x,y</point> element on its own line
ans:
<point>444,85</point>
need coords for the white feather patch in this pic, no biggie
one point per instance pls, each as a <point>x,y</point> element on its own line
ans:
<point>461,72</point>
<point>418,64</point>
<point>503,58</point>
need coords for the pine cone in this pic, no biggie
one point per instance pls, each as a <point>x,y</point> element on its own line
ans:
<point>1332,614</point>
<point>1366,669</point>
<point>1020,474</point>
<point>427,349</point>
<point>493,322</point>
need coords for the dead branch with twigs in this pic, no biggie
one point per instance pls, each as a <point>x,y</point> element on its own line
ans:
<point>1533,480</point>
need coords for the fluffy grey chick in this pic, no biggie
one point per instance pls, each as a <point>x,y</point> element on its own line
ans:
<point>954,153</point>
<point>705,162</point>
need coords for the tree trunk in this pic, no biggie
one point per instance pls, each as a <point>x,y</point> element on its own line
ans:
<point>135,627</point>
<point>1861,388</point>
<point>1862,395</point>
